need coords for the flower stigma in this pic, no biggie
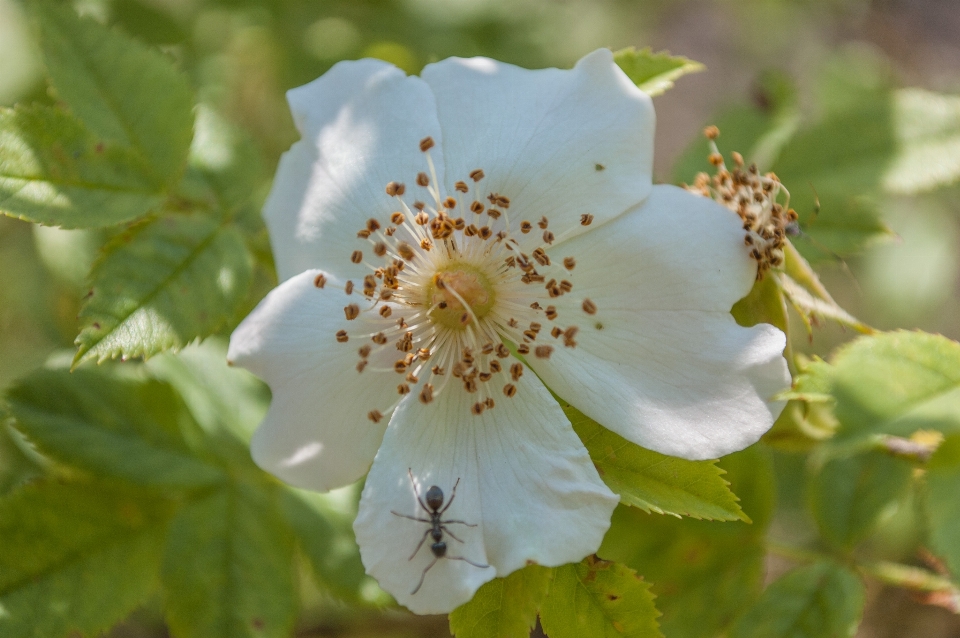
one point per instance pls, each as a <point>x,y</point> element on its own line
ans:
<point>451,284</point>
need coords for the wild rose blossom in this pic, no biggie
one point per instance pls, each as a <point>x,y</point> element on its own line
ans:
<point>450,245</point>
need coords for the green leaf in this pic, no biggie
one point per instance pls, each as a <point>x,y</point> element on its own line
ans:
<point>122,426</point>
<point>228,572</point>
<point>703,572</point>
<point>504,607</point>
<point>161,285</point>
<point>598,598</point>
<point>655,482</point>
<point>76,557</point>
<point>943,506</point>
<point>55,172</point>
<point>848,496</point>
<point>893,383</point>
<point>323,526</point>
<point>823,600</point>
<point>121,89</point>
<point>927,127</point>
<point>654,73</point>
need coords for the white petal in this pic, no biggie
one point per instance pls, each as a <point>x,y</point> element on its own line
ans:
<point>316,434</point>
<point>526,481</point>
<point>662,362</point>
<point>362,123</point>
<point>539,136</point>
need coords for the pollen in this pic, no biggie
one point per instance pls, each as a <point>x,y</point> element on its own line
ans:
<point>459,293</point>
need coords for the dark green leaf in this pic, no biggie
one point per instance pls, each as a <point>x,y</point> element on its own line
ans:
<point>228,568</point>
<point>122,90</point>
<point>76,557</point>
<point>703,572</point>
<point>504,607</point>
<point>54,172</point>
<point>848,495</point>
<point>599,598</point>
<point>654,73</point>
<point>655,482</point>
<point>161,285</point>
<point>943,504</point>
<point>323,526</point>
<point>114,425</point>
<point>823,600</point>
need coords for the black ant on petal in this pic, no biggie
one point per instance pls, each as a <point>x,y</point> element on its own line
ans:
<point>435,508</point>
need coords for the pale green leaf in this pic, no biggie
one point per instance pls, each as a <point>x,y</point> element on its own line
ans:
<point>943,504</point>
<point>654,73</point>
<point>848,496</point>
<point>703,572</point>
<point>121,89</point>
<point>928,138</point>
<point>55,172</point>
<point>893,383</point>
<point>114,425</point>
<point>655,482</point>
<point>823,600</point>
<point>76,557</point>
<point>228,568</point>
<point>504,607</point>
<point>323,526</point>
<point>599,598</point>
<point>161,285</point>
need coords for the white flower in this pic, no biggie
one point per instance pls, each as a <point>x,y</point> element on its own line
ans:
<point>496,208</point>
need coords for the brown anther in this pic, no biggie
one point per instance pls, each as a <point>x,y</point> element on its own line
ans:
<point>356,257</point>
<point>422,219</point>
<point>471,230</point>
<point>379,338</point>
<point>369,285</point>
<point>510,390</point>
<point>523,349</point>
<point>543,223</point>
<point>556,332</point>
<point>551,312</point>
<point>374,415</point>
<point>348,287</point>
<point>385,311</point>
<point>459,223</point>
<point>458,369</point>
<point>461,187</point>
<point>586,219</point>
<point>426,244</point>
<point>426,144</point>
<point>418,205</point>
<point>512,322</point>
<point>403,389</point>
<point>530,334</point>
<point>352,311</point>
<point>426,394</point>
<point>535,326</point>
<point>569,263</point>
<point>397,218</point>
<point>477,408</point>
<point>484,376</point>
<point>485,232</point>
<point>476,175</point>
<point>516,371</point>
<point>405,250</point>
<point>411,377</point>
<point>363,233</point>
<point>319,281</point>
<point>541,257</point>
<point>503,351</point>
<point>401,322</point>
<point>489,402</point>
<point>495,366</point>
<point>525,227</point>
<point>437,370</point>
<point>379,249</point>
<point>543,352</point>
<point>423,354</point>
<point>565,285</point>
<point>568,336</point>
<point>342,336</point>
<point>589,307</point>
<point>399,366</point>
<point>422,179</point>
<point>493,213</point>
<point>487,348</point>
<point>716,159</point>
<point>470,385</point>
<point>465,318</point>
<point>389,231</point>
<point>547,237</point>
<point>737,159</point>
<point>395,189</point>
<point>361,365</point>
<point>373,225</point>
<point>449,203</point>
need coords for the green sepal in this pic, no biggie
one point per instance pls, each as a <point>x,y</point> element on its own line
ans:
<point>654,73</point>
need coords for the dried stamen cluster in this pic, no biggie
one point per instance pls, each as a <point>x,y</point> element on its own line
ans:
<point>753,197</point>
<point>450,285</point>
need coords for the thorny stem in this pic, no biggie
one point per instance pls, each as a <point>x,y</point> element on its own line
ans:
<point>905,576</point>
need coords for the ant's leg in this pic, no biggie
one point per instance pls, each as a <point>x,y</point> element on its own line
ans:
<point>412,518</point>
<point>452,535</point>
<point>453,494</point>
<point>462,523</point>
<point>467,560</point>
<point>420,544</point>
<point>423,575</point>
<point>415,492</point>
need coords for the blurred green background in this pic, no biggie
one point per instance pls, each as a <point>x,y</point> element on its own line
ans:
<point>242,55</point>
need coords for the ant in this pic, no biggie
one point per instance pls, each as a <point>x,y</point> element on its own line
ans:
<point>438,526</point>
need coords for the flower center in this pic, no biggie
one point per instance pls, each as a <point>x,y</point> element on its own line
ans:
<point>460,293</point>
